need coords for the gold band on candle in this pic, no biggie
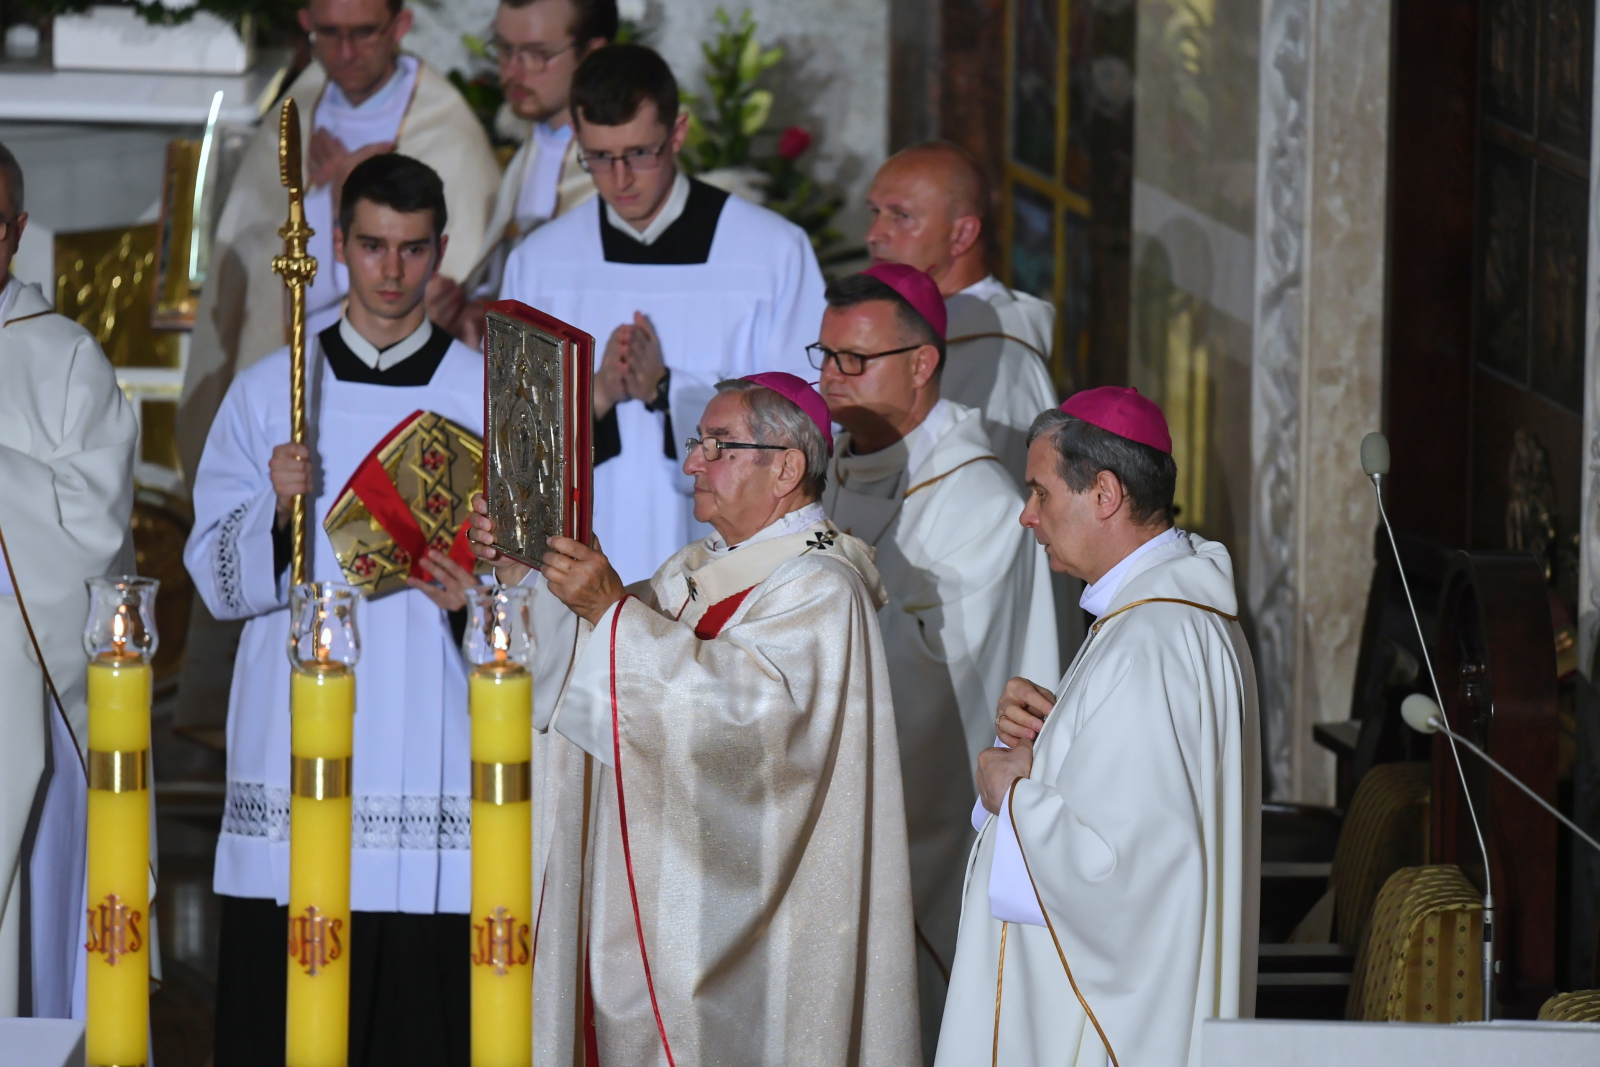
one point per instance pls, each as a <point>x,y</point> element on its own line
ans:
<point>502,783</point>
<point>119,772</point>
<point>320,779</point>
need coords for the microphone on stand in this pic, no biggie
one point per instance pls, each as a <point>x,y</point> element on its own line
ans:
<point>1423,715</point>
<point>1375,463</point>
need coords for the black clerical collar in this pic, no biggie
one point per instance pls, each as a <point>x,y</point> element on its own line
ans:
<point>415,369</point>
<point>688,240</point>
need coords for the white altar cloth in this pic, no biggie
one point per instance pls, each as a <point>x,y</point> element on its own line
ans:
<point>1303,1043</point>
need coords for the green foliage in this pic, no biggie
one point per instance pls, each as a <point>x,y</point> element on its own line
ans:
<point>728,128</point>
<point>272,17</point>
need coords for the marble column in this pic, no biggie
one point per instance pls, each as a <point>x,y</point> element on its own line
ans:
<point>1316,377</point>
<point>1260,189</point>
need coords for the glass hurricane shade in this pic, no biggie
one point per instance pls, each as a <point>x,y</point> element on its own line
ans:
<point>322,625</point>
<point>499,626</point>
<point>122,618</point>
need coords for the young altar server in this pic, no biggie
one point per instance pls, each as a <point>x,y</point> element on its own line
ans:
<point>929,205</point>
<point>67,437</point>
<point>680,285</point>
<point>410,869</point>
<point>725,749</point>
<point>969,601</point>
<point>537,46</point>
<point>1120,843</point>
<point>359,97</point>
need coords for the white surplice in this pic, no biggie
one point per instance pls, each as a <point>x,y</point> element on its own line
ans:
<point>764,827</point>
<point>1005,377</point>
<point>544,180</point>
<point>412,807</point>
<point>1139,828</point>
<point>752,305</point>
<point>969,607</point>
<point>243,314</point>
<point>67,437</point>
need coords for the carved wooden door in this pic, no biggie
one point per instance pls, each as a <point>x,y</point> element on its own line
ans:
<point>1529,289</point>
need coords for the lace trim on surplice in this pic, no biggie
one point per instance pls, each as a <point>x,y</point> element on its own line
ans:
<point>378,821</point>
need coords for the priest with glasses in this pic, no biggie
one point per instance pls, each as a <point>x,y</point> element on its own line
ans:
<point>721,852</point>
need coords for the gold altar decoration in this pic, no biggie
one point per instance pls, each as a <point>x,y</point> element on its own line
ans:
<point>105,282</point>
<point>410,494</point>
<point>176,297</point>
<point>1420,960</point>
<point>324,647</point>
<point>120,638</point>
<point>298,269</point>
<point>498,645</point>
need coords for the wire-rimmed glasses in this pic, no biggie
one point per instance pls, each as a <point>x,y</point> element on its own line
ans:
<point>712,447</point>
<point>635,159</point>
<point>536,57</point>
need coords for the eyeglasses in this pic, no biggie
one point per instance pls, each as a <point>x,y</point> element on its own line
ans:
<point>849,363</point>
<point>536,57</point>
<point>712,447</point>
<point>355,36</point>
<point>635,159</point>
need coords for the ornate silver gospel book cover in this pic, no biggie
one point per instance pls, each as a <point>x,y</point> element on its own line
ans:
<point>538,460</point>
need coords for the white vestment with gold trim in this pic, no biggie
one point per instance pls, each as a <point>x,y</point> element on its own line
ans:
<point>1139,827</point>
<point>67,438</point>
<point>969,607</point>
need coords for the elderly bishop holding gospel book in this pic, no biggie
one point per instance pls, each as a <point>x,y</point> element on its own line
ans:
<point>1111,901</point>
<point>726,747</point>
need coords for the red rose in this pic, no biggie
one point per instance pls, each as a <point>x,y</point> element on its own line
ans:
<point>793,142</point>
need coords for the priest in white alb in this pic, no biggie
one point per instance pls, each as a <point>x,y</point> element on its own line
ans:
<point>536,46</point>
<point>681,286</point>
<point>930,207</point>
<point>1113,895</point>
<point>726,825</point>
<point>67,438</point>
<point>360,96</point>
<point>969,606</point>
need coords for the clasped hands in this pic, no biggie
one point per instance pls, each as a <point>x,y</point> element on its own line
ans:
<point>580,576</point>
<point>1023,708</point>
<point>631,367</point>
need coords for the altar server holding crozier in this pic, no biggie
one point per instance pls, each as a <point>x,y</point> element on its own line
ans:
<point>680,284</point>
<point>725,819</point>
<point>1120,832</point>
<point>67,437</point>
<point>360,96</point>
<point>969,606</point>
<point>374,369</point>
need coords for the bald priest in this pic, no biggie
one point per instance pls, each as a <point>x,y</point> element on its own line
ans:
<point>727,738</point>
<point>1111,902</point>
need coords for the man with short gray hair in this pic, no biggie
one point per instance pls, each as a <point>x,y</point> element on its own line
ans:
<point>66,463</point>
<point>1112,900</point>
<point>744,897</point>
<point>917,476</point>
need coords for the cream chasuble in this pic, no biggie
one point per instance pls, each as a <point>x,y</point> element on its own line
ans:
<point>1139,833</point>
<point>969,607</point>
<point>67,438</point>
<point>733,856</point>
<point>999,347</point>
<point>243,311</point>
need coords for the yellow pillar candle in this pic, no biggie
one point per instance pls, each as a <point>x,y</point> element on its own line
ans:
<point>322,728</point>
<point>501,702</point>
<point>119,861</point>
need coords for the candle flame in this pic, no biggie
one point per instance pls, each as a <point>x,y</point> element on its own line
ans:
<point>501,641</point>
<point>325,644</point>
<point>119,630</point>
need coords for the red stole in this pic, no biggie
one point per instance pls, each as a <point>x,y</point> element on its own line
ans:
<point>718,614</point>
